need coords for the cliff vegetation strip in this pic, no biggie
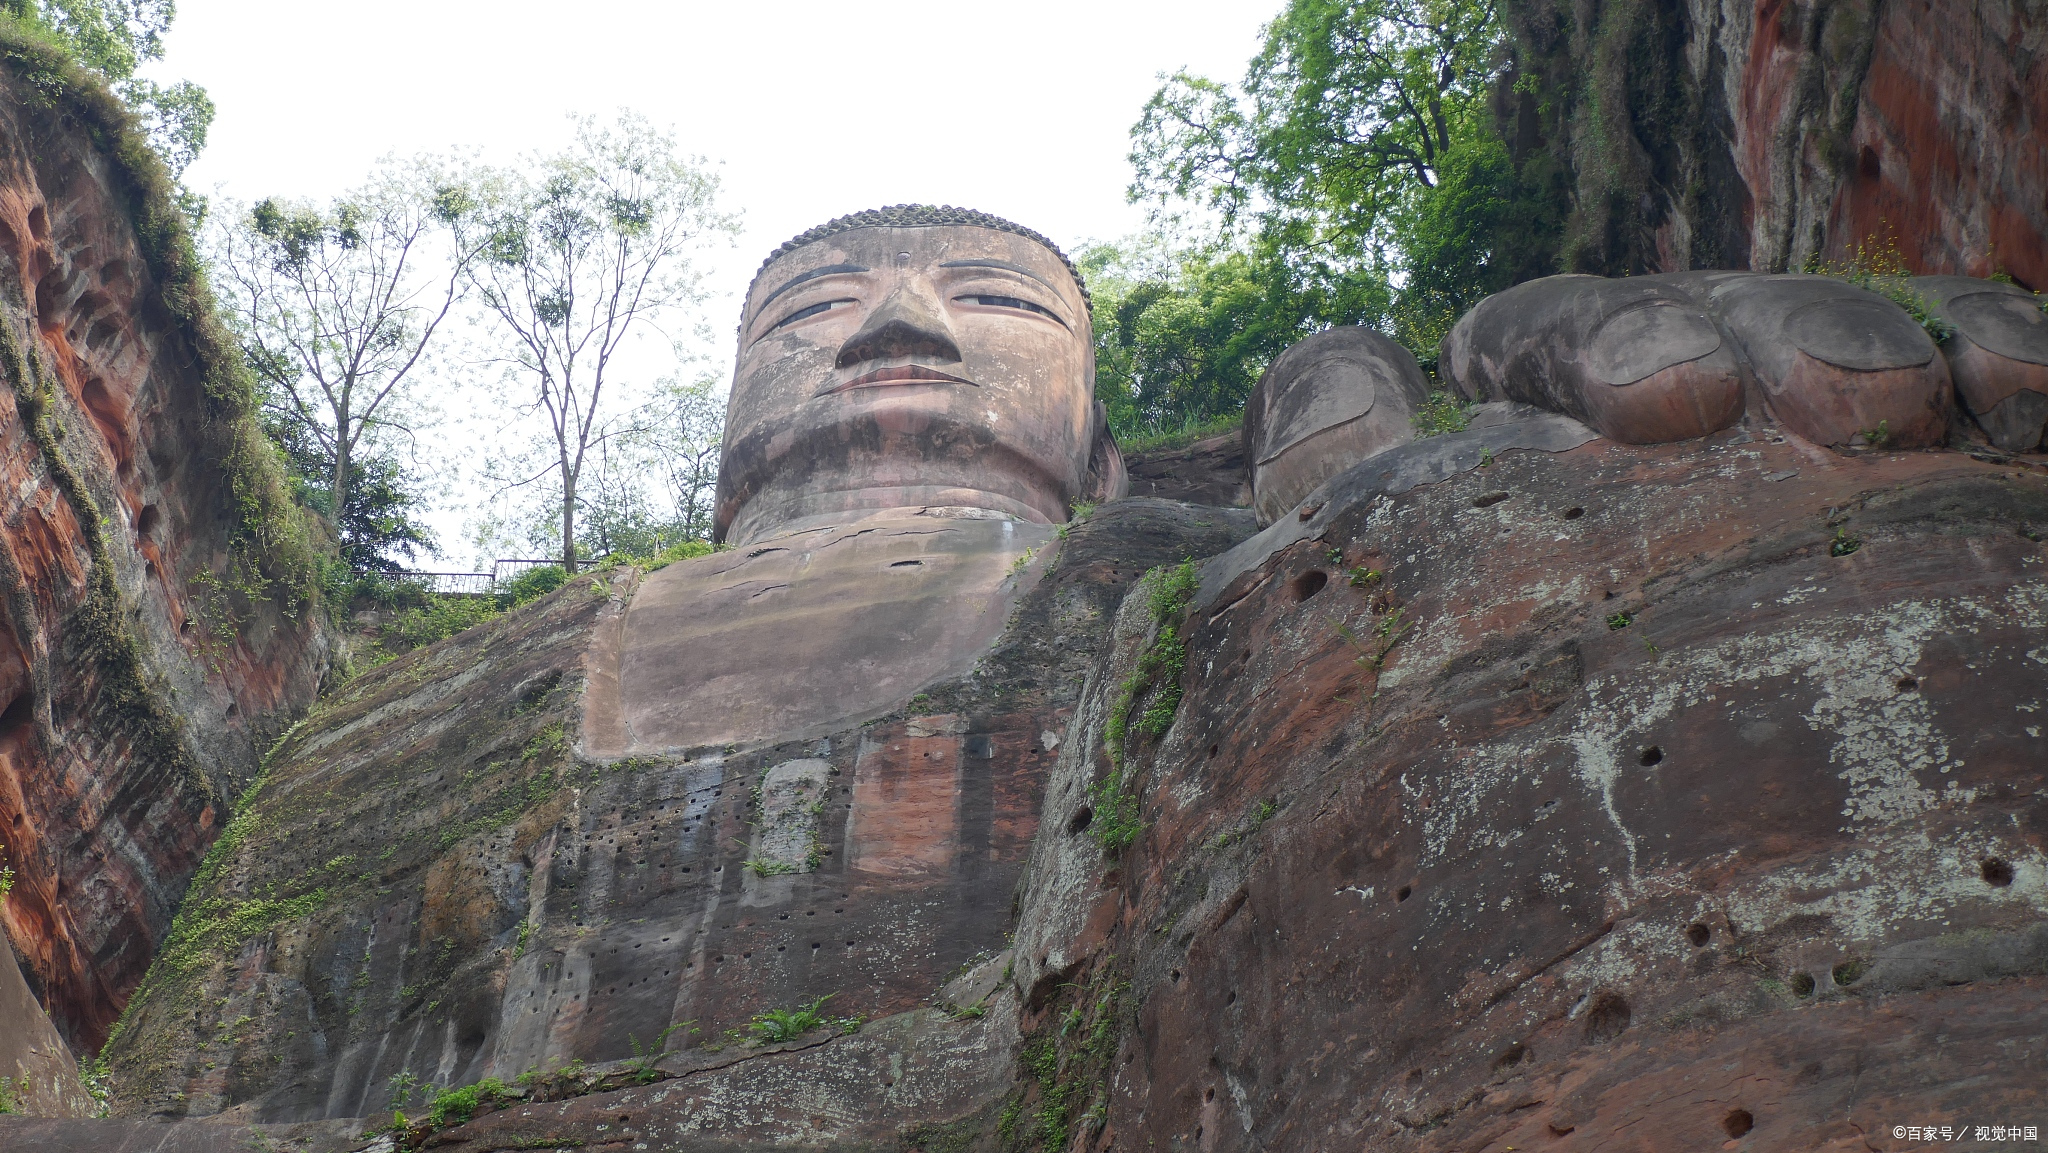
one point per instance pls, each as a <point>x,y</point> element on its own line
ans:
<point>125,691</point>
<point>272,544</point>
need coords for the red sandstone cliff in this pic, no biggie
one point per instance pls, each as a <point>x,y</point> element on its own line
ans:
<point>154,623</point>
<point>1762,133</point>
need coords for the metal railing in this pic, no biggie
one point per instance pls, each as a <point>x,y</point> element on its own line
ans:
<point>464,584</point>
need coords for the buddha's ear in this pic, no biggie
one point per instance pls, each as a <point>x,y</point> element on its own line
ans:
<point>1107,479</point>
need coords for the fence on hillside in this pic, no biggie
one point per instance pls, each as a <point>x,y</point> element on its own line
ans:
<point>464,584</point>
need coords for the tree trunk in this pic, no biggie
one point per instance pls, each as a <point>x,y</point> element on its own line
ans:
<point>568,521</point>
<point>338,490</point>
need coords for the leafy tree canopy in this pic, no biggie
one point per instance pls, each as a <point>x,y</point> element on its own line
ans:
<point>1356,172</point>
<point>115,38</point>
<point>1181,337</point>
<point>378,525</point>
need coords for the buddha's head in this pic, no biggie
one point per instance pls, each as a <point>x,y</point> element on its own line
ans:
<point>913,357</point>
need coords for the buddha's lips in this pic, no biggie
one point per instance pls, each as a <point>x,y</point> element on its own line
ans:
<point>907,374</point>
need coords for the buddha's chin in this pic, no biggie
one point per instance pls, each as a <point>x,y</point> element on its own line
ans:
<point>1000,477</point>
<point>776,514</point>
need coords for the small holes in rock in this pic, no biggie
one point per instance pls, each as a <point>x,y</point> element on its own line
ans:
<point>1908,684</point>
<point>1402,893</point>
<point>1208,1095</point>
<point>1738,1122</point>
<point>904,563</point>
<point>1512,1055</point>
<point>1845,974</point>
<point>1699,935</point>
<point>1607,1017</point>
<point>1081,820</point>
<point>1574,513</point>
<point>1213,749</point>
<point>1307,585</point>
<point>1802,984</point>
<point>1996,872</point>
<point>1174,976</point>
<point>1230,998</point>
<point>1488,500</point>
<point>146,521</point>
<point>1652,755</point>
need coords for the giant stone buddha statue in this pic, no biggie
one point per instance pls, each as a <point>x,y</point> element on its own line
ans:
<point>912,412</point>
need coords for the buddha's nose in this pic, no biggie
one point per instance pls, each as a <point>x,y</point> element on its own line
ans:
<point>907,323</point>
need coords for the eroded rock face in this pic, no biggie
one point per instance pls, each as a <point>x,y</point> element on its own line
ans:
<point>1210,471</point>
<point>1659,794</point>
<point>1322,406</point>
<point>806,634</point>
<point>145,657</point>
<point>437,879</point>
<point>1760,134</point>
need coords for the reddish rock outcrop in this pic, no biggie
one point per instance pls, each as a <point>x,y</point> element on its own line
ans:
<point>1210,471</point>
<point>1640,795</point>
<point>435,879</point>
<point>1760,134</point>
<point>152,632</point>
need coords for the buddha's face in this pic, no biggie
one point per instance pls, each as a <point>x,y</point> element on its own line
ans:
<point>908,367</point>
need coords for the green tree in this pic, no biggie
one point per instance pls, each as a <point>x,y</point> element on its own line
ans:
<point>1182,337</point>
<point>378,524</point>
<point>582,251</point>
<point>1349,107</point>
<point>338,307</point>
<point>649,484</point>
<point>116,37</point>
<point>1360,163</point>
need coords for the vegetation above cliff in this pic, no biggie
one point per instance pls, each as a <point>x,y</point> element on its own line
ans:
<point>273,552</point>
<point>115,37</point>
<point>1356,175</point>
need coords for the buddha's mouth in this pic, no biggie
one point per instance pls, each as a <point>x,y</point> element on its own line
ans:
<point>905,374</point>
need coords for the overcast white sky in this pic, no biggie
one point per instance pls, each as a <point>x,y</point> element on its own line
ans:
<point>810,109</point>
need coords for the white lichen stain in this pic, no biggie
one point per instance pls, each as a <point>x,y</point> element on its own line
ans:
<point>1884,737</point>
<point>1894,876</point>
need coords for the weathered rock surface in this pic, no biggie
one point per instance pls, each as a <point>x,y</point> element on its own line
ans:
<point>1651,795</point>
<point>1210,471</point>
<point>435,879</point>
<point>40,1071</point>
<point>1515,788</point>
<point>1531,789</point>
<point>1761,133</point>
<point>806,634</point>
<point>153,635</point>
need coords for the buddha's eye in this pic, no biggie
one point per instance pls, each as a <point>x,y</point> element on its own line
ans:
<point>807,313</point>
<point>1010,302</point>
